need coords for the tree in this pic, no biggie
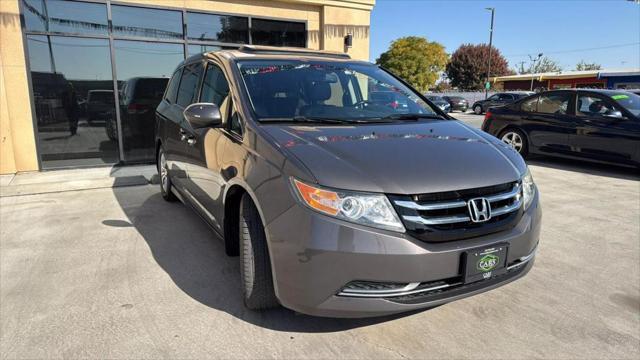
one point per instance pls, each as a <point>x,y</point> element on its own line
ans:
<point>543,65</point>
<point>468,66</point>
<point>416,60</point>
<point>582,65</point>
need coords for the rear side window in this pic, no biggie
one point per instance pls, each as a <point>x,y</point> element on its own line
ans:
<point>554,103</point>
<point>172,90</point>
<point>188,84</point>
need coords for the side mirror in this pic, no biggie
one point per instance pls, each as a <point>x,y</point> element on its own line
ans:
<point>203,115</point>
<point>615,114</point>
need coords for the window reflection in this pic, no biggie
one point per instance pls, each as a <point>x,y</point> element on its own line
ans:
<point>143,70</point>
<point>65,16</point>
<point>144,22</point>
<point>223,28</point>
<point>278,33</point>
<point>73,96</point>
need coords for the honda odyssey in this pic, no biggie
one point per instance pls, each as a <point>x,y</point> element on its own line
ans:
<point>339,204</point>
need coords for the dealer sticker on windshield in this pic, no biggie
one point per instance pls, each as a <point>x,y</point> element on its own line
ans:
<point>620,97</point>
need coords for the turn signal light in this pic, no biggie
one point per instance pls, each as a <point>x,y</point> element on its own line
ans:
<point>322,200</point>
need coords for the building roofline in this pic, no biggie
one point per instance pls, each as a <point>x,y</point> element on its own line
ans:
<point>567,75</point>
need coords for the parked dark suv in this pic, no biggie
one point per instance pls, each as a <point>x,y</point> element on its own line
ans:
<point>337,203</point>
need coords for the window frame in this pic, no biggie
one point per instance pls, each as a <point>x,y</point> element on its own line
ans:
<point>196,92</point>
<point>232,108</point>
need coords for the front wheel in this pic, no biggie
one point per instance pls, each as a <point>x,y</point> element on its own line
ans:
<point>517,140</point>
<point>477,110</point>
<point>165,180</point>
<point>255,265</point>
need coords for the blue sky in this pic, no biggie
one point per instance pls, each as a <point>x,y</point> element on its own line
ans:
<point>554,27</point>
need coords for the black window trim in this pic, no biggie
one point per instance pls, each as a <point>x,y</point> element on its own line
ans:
<point>196,93</point>
<point>232,107</point>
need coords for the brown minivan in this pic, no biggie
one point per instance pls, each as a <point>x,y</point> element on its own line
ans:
<point>340,204</point>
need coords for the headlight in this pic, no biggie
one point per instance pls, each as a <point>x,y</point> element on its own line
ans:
<point>367,209</point>
<point>528,189</point>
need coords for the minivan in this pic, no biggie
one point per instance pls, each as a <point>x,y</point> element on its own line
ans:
<point>336,203</point>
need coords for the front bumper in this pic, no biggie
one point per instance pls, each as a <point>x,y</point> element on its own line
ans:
<point>314,256</point>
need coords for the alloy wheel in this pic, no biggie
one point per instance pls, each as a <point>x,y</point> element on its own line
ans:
<point>164,173</point>
<point>514,140</point>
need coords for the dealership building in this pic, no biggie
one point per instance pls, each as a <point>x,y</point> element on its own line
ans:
<point>74,74</point>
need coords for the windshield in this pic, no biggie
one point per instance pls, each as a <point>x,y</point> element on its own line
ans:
<point>336,90</point>
<point>629,101</point>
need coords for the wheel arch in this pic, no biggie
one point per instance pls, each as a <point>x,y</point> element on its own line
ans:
<point>233,194</point>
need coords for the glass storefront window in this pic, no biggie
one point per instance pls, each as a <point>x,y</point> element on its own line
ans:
<point>223,28</point>
<point>70,60</point>
<point>143,70</point>
<point>278,33</point>
<point>74,100</point>
<point>65,16</point>
<point>145,22</point>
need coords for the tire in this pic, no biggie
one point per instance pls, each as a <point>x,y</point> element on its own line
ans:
<point>477,110</point>
<point>517,139</point>
<point>255,265</point>
<point>165,179</point>
<point>110,129</point>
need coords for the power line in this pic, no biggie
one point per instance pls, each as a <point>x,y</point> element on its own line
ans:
<point>578,50</point>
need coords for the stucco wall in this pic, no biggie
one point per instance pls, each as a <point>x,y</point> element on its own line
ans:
<point>328,21</point>
<point>17,139</point>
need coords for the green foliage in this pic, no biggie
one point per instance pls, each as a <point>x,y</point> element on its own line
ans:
<point>416,60</point>
<point>582,65</point>
<point>468,66</point>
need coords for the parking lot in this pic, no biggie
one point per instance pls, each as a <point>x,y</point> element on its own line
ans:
<point>119,273</point>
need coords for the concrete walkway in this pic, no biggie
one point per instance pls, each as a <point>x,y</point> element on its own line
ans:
<point>31,183</point>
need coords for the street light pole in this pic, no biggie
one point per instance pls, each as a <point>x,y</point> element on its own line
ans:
<point>486,87</point>
<point>533,67</point>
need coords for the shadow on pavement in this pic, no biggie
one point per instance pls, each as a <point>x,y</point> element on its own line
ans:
<point>193,256</point>
<point>613,171</point>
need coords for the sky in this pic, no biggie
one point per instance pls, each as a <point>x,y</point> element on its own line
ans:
<point>567,31</point>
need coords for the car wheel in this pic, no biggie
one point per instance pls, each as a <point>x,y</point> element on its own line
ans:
<point>517,140</point>
<point>110,129</point>
<point>477,110</point>
<point>165,180</point>
<point>255,265</point>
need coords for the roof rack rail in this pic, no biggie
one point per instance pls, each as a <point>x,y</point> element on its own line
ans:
<point>274,50</point>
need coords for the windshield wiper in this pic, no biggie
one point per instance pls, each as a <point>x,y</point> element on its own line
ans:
<point>412,117</point>
<point>307,119</point>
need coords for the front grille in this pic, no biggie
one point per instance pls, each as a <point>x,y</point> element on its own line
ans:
<point>445,216</point>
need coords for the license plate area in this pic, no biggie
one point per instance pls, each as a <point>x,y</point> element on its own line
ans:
<point>484,263</point>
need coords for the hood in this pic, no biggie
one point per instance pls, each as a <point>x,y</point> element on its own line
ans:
<point>406,158</point>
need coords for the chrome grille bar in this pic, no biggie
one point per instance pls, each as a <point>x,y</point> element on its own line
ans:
<point>514,193</point>
<point>436,220</point>
<point>432,206</point>
<point>398,292</point>
<point>506,209</point>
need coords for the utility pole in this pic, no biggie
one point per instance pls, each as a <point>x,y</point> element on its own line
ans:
<point>533,67</point>
<point>486,85</point>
